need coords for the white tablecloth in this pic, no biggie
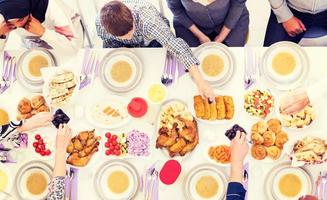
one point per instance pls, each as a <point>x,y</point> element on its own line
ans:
<point>184,89</point>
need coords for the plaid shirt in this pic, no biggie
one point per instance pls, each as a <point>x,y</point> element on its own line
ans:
<point>150,25</point>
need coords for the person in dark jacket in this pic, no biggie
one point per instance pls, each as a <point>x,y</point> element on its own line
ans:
<point>201,21</point>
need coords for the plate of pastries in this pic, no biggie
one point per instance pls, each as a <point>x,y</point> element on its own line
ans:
<point>82,148</point>
<point>29,106</point>
<point>268,140</point>
<point>177,129</point>
<point>221,110</point>
<point>309,150</point>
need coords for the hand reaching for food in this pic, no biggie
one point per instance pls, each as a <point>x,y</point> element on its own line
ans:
<point>39,120</point>
<point>63,138</point>
<point>239,147</point>
<point>294,102</point>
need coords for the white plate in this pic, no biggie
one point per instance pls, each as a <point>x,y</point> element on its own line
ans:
<point>290,144</point>
<point>164,150</point>
<point>237,108</point>
<point>112,100</point>
<point>22,175</point>
<point>27,80</point>
<point>5,169</point>
<point>49,136</point>
<point>205,170</point>
<point>137,70</point>
<point>102,174</point>
<point>280,116</point>
<point>294,80</point>
<point>96,156</point>
<point>222,51</point>
<point>50,72</point>
<point>269,187</point>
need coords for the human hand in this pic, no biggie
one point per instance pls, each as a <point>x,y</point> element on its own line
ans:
<point>6,28</point>
<point>239,147</point>
<point>34,26</point>
<point>294,26</point>
<point>205,90</point>
<point>39,120</point>
<point>294,102</point>
<point>204,39</point>
<point>64,135</point>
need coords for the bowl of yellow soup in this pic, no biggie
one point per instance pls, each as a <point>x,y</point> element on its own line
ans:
<point>29,67</point>
<point>121,70</point>
<point>217,63</point>
<point>32,180</point>
<point>116,180</point>
<point>285,65</point>
<point>205,182</point>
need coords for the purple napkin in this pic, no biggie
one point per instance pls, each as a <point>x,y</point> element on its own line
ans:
<point>147,186</point>
<point>74,184</point>
<point>181,69</point>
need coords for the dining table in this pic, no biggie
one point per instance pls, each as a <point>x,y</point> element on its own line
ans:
<point>183,88</point>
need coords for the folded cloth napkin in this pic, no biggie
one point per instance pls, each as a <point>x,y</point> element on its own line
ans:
<point>146,186</point>
<point>74,185</point>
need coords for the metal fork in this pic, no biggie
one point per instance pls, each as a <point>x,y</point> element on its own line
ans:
<point>249,73</point>
<point>164,77</point>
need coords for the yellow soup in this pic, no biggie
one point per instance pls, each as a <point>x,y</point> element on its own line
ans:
<point>4,117</point>
<point>157,93</point>
<point>118,182</point>
<point>290,185</point>
<point>3,180</point>
<point>121,71</point>
<point>207,187</point>
<point>36,183</point>
<point>284,63</point>
<point>212,65</point>
<point>35,65</point>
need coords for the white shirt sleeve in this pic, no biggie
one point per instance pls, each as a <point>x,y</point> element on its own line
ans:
<point>56,17</point>
<point>317,91</point>
<point>281,10</point>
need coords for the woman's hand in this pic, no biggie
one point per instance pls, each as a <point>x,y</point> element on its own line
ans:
<point>42,119</point>
<point>224,32</point>
<point>294,102</point>
<point>239,147</point>
<point>5,28</point>
<point>204,39</point>
<point>64,135</point>
<point>34,26</point>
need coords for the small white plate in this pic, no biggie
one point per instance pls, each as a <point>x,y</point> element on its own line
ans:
<point>114,101</point>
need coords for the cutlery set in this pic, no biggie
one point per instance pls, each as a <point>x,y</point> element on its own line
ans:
<point>8,72</point>
<point>169,73</point>
<point>252,67</point>
<point>90,68</point>
<point>150,184</point>
<point>321,186</point>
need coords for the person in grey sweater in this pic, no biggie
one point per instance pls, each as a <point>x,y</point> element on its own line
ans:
<point>201,21</point>
<point>290,19</point>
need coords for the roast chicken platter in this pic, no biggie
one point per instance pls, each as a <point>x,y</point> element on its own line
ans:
<point>177,129</point>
